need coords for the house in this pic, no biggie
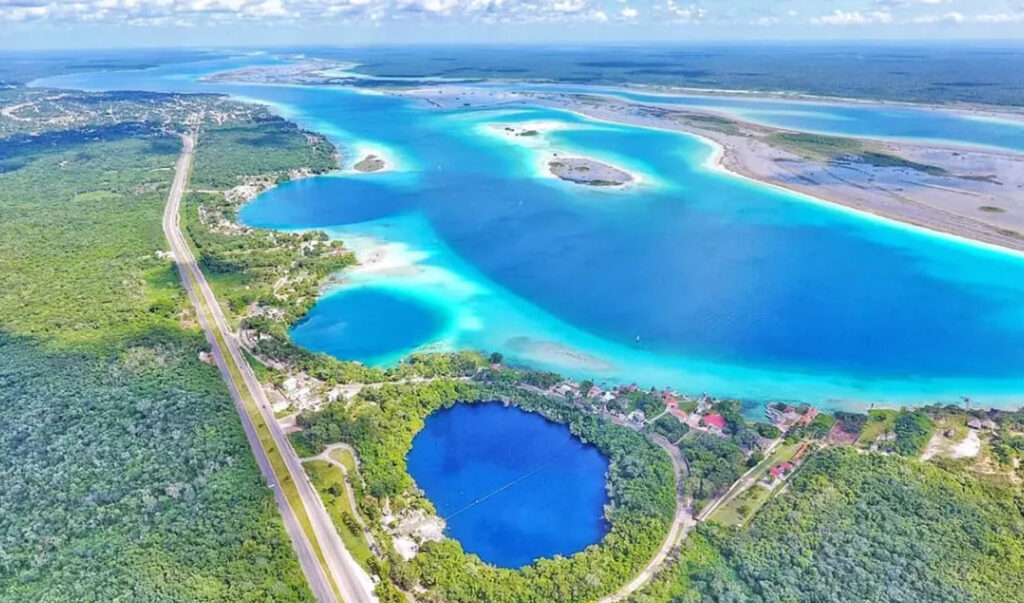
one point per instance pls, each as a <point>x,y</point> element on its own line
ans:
<point>782,414</point>
<point>566,388</point>
<point>714,422</point>
<point>594,392</point>
<point>800,452</point>
<point>808,416</point>
<point>781,470</point>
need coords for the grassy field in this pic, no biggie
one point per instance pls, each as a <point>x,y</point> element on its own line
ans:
<point>879,422</point>
<point>345,458</point>
<point>330,483</point>
<point>742,508</point>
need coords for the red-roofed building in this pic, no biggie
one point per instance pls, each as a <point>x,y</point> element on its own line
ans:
<point>714,421</point>
<point>781,470</point>
<point>808,416</point>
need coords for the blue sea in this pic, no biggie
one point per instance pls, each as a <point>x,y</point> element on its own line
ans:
<point>692,278</point>
<point>511,486</point>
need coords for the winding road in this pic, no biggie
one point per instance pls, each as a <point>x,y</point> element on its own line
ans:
<point>352,582</point>
<point>681,525</point>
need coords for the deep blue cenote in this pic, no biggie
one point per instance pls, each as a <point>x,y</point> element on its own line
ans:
<point>511,485</point>
<point>693,278</point>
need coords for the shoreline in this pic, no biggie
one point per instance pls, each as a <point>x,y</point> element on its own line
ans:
<point>847,399</point>
<point>1010,113</point>
<point>303,67</point>
<point>744,155</point>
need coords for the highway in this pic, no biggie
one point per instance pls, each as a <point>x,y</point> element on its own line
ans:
<point>351,580</point>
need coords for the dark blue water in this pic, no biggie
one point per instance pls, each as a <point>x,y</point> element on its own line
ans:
<point>367,325</point>
<point>512,486</point>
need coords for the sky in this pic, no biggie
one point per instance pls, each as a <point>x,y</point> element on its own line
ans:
<point>127,23</point>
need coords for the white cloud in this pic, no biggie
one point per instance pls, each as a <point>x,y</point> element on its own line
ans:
<point>745,13</point>
<point>998,18</point>
<point>853,17</point>
<point>950,17</point>
<point>690,13</point>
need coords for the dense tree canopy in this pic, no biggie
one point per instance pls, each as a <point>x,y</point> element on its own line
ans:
<point>125,474</point>
<point>862,527</point>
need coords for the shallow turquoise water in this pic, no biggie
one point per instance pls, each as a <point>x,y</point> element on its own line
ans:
<point>858,119</point>
<point>693,278</point>
<point>374,326</point>
<point>511,486</point>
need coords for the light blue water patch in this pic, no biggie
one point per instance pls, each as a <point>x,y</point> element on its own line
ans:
<point>693,278</point>
<point>369,325</point>
<point>511,486</point>
<point>865,120</point>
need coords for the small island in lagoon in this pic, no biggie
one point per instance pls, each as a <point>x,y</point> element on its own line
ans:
<point>589,172</point>
<point>370,163</point>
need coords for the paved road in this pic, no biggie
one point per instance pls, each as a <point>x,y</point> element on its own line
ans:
<point>353,583</point>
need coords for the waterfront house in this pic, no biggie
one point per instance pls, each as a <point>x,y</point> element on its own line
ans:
<point>808,416</point>
<point>714,422</point>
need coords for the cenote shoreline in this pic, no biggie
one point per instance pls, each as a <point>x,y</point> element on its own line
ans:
<point>381,425</point>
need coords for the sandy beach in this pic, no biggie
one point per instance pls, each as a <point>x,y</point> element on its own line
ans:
<point>967,192</point>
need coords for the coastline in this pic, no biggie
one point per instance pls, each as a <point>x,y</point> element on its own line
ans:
<point>694,375</point>
<point>314,71</point>
<point>906,201</point>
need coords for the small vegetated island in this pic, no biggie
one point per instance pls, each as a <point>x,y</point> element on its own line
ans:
<point>589,172</point>
<point>370,163</point>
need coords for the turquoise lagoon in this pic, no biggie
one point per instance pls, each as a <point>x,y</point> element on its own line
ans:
<point>693,278</point>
